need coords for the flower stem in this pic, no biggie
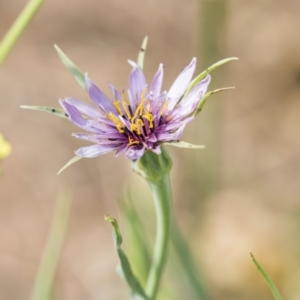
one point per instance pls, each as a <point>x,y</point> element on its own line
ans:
<point>155,169</point>
<point>18,27</point>
<point>161,192</point>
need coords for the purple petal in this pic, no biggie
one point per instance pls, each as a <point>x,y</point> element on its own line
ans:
<point>135,152</point>
<point>152,138</point>
<point>168,127</point>
<point>132,100</point>
<point>155,86</point>
<point>121,149</point>
<point>98,97</point>
<point>102,127</point>
<point>190,103</point>
<point>75,116</point>
<point>105,138</point>
<point>180,84</point>
<point>166,136</point>
<point>158,102</point>
<point>117,95</point>
<point>84,108</point>
<point>94,150</point>
<point>137,84</point>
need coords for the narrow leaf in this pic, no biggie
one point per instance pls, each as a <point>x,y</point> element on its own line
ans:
<point>54,111</point>
<point>79,76</point>
<point>141,56</point>
<point>182,144</point>
<point>267,278</point>
<point>207,95</point>
<point>137,291</point>
<point>48,266</point>
<point>69,163</point>
<point>206,72</point>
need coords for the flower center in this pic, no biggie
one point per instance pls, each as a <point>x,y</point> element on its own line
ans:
<point>141,120</point>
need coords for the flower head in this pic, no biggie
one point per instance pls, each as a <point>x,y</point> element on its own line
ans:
<point>138,119</point>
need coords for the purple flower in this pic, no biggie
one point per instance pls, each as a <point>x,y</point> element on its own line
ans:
<point>139,119</point>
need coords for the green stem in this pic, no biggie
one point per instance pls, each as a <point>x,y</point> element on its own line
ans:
<point>162,197</point>
<point>18,27</point>
<point>155,169</point>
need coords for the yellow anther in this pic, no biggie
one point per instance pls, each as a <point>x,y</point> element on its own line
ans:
<point>143,95</point>
<point>150,118</point>
<point>136,128</point>
<point>139,122</point>
<point>120,126</point>
<point>117,105</point>
<point>132,141</point>
<point>126,104</point>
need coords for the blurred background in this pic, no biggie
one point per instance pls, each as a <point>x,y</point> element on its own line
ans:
<point>240,194</point>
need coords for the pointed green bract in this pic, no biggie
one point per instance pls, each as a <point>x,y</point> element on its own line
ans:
<point>207,95</point>
<point>54,111</point>
<point>141,56</point>
<point>206,72</point>
<point>267,278</point>
<point>69,163</point>
<point>78,75</point>
<point>137,291</point>
<point>182,144</point>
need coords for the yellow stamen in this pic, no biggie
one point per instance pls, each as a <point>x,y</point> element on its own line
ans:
<point>136,128</point>
<point>118,107</point>
<point>120,126</point>
<point>132,141</point>
<point>150,118</point>
<point>125,103</point>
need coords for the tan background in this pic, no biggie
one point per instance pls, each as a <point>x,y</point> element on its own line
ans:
<point>240,194</point>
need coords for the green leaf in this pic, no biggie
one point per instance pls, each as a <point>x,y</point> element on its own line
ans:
<point>54,111</point>
<point>137,291</point>
<point>48,266</point>
<point>206,72</point>
<point>182,144</point>
<point>141,56</point>
<point>79,76</point>
<point>69,163</point>
<point>207,95</point>
<point>267,278</point>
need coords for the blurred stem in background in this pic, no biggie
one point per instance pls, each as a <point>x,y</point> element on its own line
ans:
<point>47,269</point>
<point>204,168</point>
<point>18,27</point>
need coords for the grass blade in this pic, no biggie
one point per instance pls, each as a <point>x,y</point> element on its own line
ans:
<point>267,278</point>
